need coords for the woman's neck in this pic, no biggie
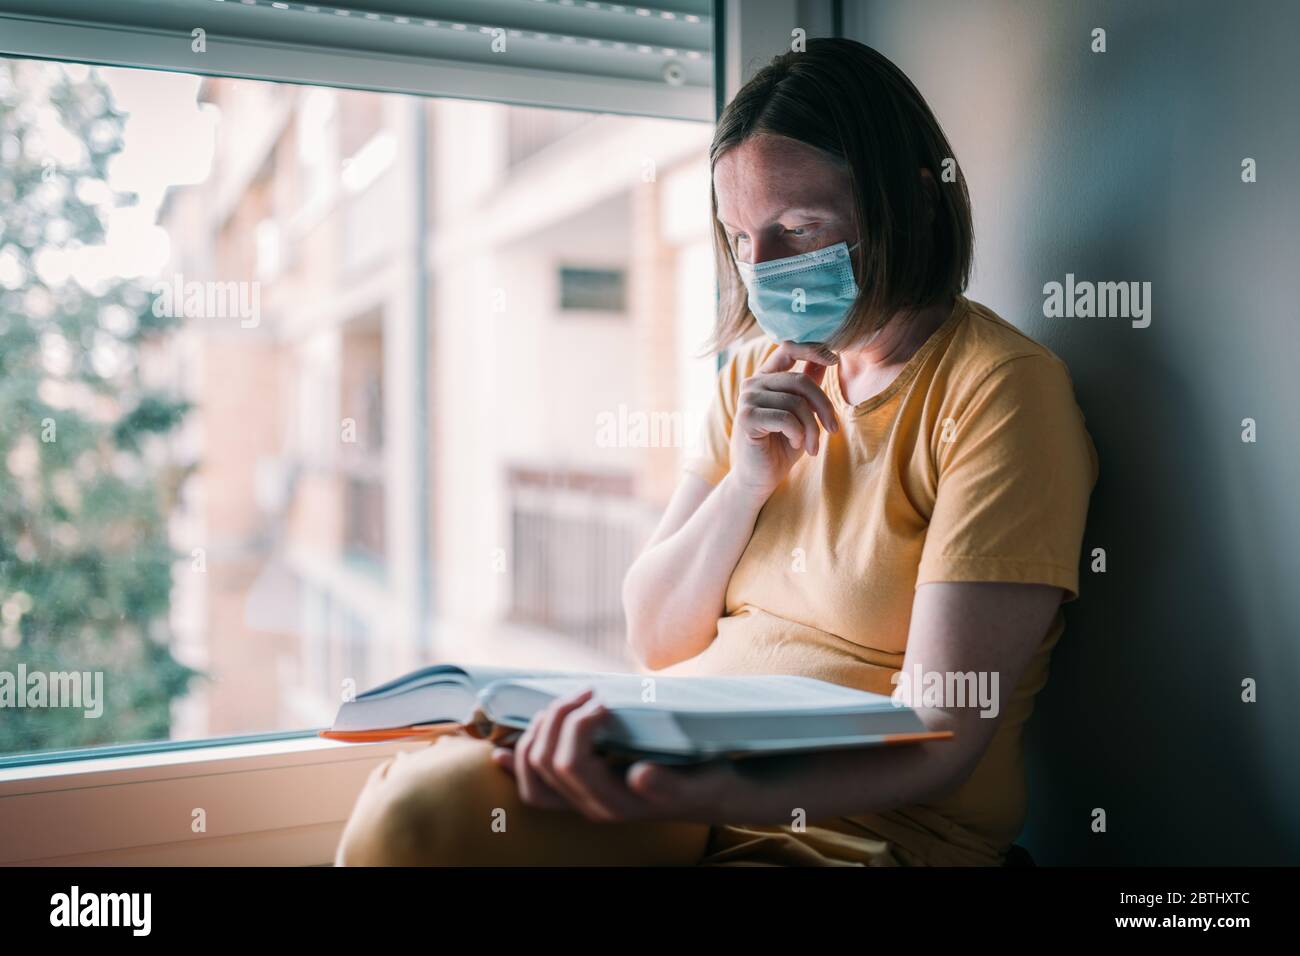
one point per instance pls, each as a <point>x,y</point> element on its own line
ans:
<point>868,370</point>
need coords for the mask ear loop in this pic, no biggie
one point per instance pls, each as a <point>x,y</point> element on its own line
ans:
<point>875,335</point>
<point>735,263</point>
<point>740,276</point>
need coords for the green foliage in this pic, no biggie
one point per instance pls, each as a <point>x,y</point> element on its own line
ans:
<point>85,564</point>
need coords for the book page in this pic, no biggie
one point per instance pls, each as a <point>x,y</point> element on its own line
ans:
<point>476,676</point>
<point>781,694</point>
<point>480,675</point>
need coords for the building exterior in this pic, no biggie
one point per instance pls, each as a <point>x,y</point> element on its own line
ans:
<point>430,443</point>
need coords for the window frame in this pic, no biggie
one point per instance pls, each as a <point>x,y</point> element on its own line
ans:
<point>280,798</point>
<point>26,37</point>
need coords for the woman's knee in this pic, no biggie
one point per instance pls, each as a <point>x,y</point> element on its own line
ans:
<point>450,805</point>
<point>425,807</point>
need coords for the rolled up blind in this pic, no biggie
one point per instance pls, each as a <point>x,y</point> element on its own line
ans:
<point>648,59</point>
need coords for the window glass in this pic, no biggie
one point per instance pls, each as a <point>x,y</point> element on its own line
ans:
<point>272,433</point>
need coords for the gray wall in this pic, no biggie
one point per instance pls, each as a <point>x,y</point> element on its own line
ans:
<point>1126,166</point>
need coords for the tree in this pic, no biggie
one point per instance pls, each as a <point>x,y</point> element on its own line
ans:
<point>85,563</point>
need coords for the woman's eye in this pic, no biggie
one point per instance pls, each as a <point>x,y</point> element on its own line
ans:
<point>798,231</point>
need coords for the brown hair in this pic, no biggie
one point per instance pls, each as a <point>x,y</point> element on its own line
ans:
<point>847,100</point>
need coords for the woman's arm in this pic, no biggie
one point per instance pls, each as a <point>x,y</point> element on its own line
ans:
<point>957,627</point>
<point>673,593</point>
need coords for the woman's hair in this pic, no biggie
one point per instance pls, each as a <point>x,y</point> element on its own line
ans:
<point>858,108</point>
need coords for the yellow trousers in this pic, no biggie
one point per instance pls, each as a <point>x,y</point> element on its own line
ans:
<point>448,805</point>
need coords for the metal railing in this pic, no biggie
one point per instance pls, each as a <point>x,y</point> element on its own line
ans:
<point>573,537</point>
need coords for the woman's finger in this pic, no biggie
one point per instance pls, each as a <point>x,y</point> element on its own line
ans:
<point>758,423</point>
<point>541,753</point>
<point>787,353</point>
<point>796,405</point>
<point>534,789</point>
<point>800,383</point>
<point>531,788</point>
<point>583,775</point>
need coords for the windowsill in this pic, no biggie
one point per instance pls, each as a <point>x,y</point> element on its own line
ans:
<point>276,802</point>
<point>74,763</point>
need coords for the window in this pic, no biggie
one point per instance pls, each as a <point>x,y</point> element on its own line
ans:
<point>263,440</point>
<point>598,290</point>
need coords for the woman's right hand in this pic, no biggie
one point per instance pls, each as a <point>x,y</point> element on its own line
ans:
<point>777,416</point>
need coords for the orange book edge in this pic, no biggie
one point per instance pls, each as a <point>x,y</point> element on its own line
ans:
<point>415,732</point>
<point>430,731</point>
<point>890,739</point>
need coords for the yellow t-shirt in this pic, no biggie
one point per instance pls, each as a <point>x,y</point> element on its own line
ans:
<point>972,465</point>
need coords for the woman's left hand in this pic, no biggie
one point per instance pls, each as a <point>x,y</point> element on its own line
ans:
<point>556,766</point>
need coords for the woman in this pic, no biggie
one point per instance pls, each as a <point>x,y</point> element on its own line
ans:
<point>890,494</point>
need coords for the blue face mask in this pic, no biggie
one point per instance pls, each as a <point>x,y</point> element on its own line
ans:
<point>803,298</point>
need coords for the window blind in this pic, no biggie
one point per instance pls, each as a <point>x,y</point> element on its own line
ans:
<point>650,59</point>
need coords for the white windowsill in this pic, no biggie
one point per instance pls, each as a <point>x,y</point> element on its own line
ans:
<point>266,804</point>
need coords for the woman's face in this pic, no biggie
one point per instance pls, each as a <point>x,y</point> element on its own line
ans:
<point>778,197</point>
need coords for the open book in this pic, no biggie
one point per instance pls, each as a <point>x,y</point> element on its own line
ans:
<point>666,719</point>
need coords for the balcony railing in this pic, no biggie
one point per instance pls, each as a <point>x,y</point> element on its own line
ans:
<point>573,536</point>
<point>363,504</point>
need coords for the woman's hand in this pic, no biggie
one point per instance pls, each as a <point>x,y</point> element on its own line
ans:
<point>777,416</point>
<point>556,766</point>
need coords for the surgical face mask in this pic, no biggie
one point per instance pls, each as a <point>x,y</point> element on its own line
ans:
<point>803,298</point>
